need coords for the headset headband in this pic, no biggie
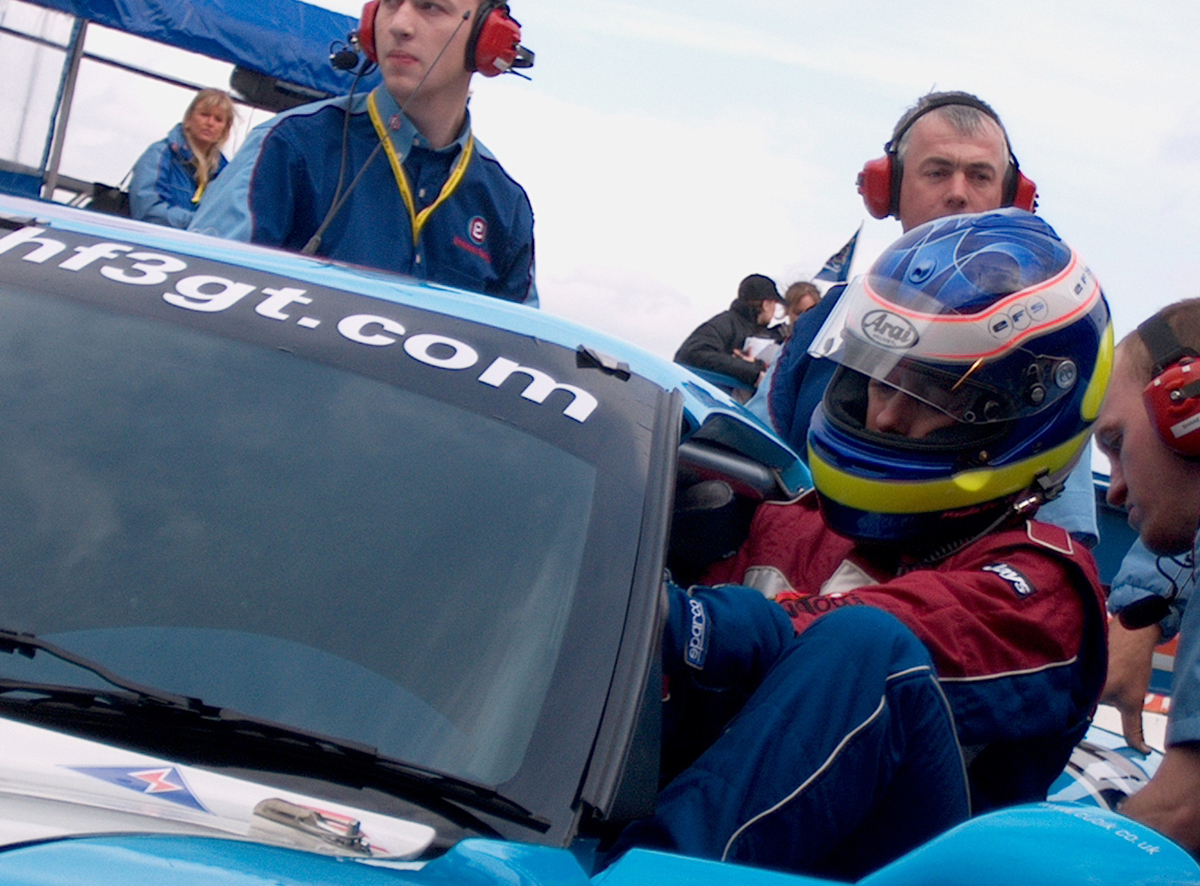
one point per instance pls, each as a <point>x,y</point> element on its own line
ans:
<point>1172,397</point>
<point>1160,341</point>
<point>880,179</point>
<point>964,99</point>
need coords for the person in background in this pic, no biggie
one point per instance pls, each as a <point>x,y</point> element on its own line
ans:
<point>1149,427</point>
<point>718,344</point>
<point>172,175</point>
<point>394,179</point>
<point>949,153</point>
<point>800,297</point>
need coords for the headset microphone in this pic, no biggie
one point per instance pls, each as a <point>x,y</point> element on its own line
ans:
<point>1153,609</point>
<point>344,58</point>
<point>339,197</point>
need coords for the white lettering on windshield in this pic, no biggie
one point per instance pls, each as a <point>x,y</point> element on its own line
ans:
<point>206,293</point>
<point>355,328</point>
<point>210,294</point>
<point>540,387</point>
<point>442,352</point>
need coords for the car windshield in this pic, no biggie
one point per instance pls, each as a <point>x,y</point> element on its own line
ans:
<point>287,538</point>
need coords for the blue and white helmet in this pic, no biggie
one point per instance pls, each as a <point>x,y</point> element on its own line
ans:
<point>996,322</point>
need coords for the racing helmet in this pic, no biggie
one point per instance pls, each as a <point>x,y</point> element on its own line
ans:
<point>995,323</point>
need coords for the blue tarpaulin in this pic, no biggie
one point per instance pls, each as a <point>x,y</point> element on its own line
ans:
<point>287,39</point>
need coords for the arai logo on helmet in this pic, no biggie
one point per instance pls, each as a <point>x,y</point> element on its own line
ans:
<point>889,330</point>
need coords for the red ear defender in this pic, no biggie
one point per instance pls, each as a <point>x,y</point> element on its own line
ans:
<point>1025,193</point>
<point>494,44</point>
<point>875,185</point>
<point>1173,396</point>
<point>879,181</point>
<point>1173,403</point>
<point>366,30</point>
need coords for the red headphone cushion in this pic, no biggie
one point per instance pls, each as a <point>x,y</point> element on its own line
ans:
<point>875,185</point>
<point>1176,420</point>
<point>1026,193</point>
<point>366,30</point>
<point>496,39</point>
<point>497,43</point>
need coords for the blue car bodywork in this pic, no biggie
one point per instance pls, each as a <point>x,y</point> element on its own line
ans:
<point>280,529</point>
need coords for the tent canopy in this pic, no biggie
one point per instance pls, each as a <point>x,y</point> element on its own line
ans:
<point>287,39</point>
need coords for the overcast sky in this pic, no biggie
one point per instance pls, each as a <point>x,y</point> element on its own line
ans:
<point>671,148</point>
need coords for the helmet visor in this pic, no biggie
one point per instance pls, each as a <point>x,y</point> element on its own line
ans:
<point>968,365</point>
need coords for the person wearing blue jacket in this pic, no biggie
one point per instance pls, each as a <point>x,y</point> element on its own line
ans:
<point>1150,594</point>
<point>172,175</point>
<point>1149,427</point>
<point>394,179</point>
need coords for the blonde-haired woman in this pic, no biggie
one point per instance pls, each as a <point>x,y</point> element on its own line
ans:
<point>170,178</point>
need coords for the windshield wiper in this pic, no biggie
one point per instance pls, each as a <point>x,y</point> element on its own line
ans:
<point>138,715</point>
<point>28,645</point>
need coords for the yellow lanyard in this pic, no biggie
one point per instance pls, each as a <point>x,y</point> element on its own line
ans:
<point>456,175</point>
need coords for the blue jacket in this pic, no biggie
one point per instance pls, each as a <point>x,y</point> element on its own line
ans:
<point>1183,723</point>
<point>283,181</point>
<point>163,182</point>
<point>1139,577</point>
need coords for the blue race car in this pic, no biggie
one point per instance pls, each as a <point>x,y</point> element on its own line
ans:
<point>314,575</point>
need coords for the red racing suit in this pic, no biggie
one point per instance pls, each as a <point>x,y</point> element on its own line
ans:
<point>1014,623</point>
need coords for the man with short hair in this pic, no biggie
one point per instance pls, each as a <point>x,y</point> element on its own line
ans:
<point>1148,428</point>
<point>949,154</point>
<point>943,158</point>
<point>432,202</point>
<point>950,158</point>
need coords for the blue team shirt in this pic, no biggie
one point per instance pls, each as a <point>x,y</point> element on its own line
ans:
<point>282,183</point>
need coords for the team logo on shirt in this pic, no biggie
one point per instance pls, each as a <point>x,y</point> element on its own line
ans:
<point>1019,583</point>
<point>477,229</point>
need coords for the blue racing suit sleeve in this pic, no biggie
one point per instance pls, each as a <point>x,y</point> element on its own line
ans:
<point>723,637</point>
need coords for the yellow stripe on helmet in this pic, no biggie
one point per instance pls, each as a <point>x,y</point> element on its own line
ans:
<point>963,490</point>
<point>1098,384</point>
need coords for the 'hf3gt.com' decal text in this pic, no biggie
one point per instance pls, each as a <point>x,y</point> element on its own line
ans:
<point>209,293</point>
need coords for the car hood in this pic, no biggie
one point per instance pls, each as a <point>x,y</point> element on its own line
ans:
<point>58,785</point>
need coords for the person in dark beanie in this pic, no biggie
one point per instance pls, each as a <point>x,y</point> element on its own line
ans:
<point>717,344</point>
